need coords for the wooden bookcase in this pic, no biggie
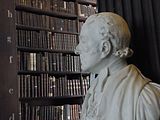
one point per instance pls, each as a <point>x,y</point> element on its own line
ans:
<point>41,77</point>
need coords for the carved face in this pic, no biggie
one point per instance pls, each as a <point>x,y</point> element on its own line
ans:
<point>88,49</point>
<point>101,38</point>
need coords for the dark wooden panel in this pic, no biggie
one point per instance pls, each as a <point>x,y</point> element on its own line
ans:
<point>8,82</point>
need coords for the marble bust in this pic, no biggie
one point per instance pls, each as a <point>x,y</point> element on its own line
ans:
<point>120,91</point>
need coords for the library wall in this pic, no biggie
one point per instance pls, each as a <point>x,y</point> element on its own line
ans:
<point>51,84</point>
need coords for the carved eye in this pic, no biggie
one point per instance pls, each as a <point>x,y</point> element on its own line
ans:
<point>109,23</point>
<point>118,52</point>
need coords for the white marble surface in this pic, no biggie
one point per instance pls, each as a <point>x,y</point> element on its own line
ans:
<point>120,92</point>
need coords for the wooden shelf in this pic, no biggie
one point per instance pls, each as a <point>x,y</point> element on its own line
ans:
<point>32,28</point>
<point>70,0</point>
<point>28,49</point>
<point>56,73</point>
<point>56,101</point>
<point>86,2</point>
<point>44,12</point>
<point>49,72</point>
<point>82,19</point>
<point>52,72</point>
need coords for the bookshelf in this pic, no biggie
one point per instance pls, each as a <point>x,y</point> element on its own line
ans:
<point>45,73</point>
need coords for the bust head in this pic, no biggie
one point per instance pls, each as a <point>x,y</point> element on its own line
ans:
<point>104,38</point>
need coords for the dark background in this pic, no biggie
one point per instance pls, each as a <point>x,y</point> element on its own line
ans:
<point>143,17</point>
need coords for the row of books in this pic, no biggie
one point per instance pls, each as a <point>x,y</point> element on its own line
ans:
<point>50,5</point>
<point>44,21</point>
<point>44,61</point>
<point>65,112</point>
<point>45,85</point>
<point>86,11</point>
<point>46,40</point>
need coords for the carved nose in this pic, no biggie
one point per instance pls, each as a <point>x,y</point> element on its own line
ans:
<point>76,51</point>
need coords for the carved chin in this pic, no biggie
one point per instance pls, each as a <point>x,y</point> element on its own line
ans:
<point>84,68</point>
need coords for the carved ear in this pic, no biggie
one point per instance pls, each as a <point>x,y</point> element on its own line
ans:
<point>105,48</point>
